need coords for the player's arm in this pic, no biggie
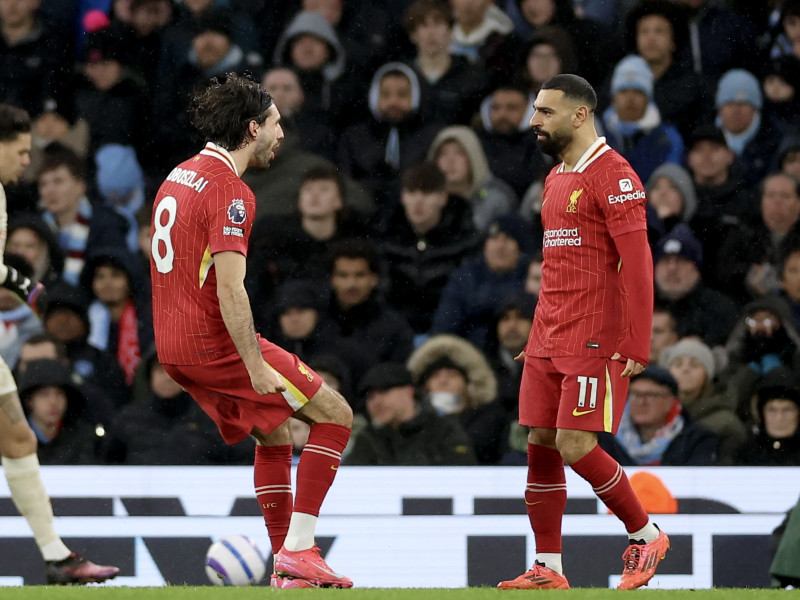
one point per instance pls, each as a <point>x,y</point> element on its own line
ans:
<point>235,308</point>
<point>637,270</point>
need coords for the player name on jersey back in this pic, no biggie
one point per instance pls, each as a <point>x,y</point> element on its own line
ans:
<point>188,178</point>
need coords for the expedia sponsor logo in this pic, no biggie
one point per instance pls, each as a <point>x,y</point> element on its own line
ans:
<point>637,195</point>
<point>562,237</point>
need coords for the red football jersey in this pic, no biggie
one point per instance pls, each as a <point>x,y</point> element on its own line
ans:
<point>203,207</point>
<point>582,308</point>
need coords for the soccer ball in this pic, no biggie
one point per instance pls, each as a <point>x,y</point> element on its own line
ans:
<point>235,560</point>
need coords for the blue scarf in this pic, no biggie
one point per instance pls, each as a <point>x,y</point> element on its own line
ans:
<point>649,453</point>
<point>73,239</point>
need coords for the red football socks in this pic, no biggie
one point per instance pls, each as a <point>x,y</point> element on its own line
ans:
<point>546,496</point>
<point>272,475</point>
<point>319,462</point>
<point>612,487</point>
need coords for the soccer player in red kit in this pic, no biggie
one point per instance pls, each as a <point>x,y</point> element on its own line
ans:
<point>590,334</point>
<point>205,338</point>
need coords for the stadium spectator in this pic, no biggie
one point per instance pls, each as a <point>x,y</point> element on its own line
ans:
<point>294,246</point>
<point>691,363</point>
<point>457,152</point>
<point>484,34</point>
<point>458,381</point>
<point>780,82</point>
<point>119,314</point>
<point>35,56</point>
<point>56,122</point>
<point>657,31</point>
<point>357,308</point>
<point>749,255</point>
<point>507,139</point>
<point>121,185</point>
<point>66,320</point>
<point>698,309</point>
<point>763,339</point>
<point>533,279</point>
<point>507,338</point>
<point>143,33</point>
<point>663,332</point>
<point>633,125</point>
<point>777,440</point>
<point>655,430</point>
<point>376,150</point>
<point>80,225</point>
<point>54,407</point>
<point>671,192</point>
<point>452,86</point>
<point>546,53</point>
<point>475,290</point>
<point>752,138</point>
<point>404,429</point>
<point>789,280</point>
<point>311,127</point>
<point>423,239</point>
<point>596,46</point>
<point>311,47</point>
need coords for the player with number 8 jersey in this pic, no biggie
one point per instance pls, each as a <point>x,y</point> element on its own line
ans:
<point>205,337</point>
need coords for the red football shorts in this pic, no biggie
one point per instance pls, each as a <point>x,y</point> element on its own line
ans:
<point>587,394</point>
<point>223,390</point>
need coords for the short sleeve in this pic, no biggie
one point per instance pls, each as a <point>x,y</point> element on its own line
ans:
<point>622,199</point>
<point>231,209</point>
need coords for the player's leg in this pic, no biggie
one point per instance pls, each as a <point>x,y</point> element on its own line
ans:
<point>272,477</point>
<point>330,417</point>
<point>593,400</point>
<point>21,469</point>
<point>546,489</point>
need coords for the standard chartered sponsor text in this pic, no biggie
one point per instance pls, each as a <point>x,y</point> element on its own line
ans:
<point>562,237</point>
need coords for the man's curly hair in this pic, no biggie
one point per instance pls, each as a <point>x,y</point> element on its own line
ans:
<point>222,112</point>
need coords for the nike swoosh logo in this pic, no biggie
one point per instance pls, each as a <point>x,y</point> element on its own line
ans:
<point>579,413</point>
<point>532,503</point>
<point>334,468</point>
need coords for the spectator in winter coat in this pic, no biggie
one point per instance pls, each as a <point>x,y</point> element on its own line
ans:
<point>403,429</point>
<point>655,430</point>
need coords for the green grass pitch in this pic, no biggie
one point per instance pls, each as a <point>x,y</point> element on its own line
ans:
<point>258,593</point>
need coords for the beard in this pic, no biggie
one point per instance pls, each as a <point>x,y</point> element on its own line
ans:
<point>553,143</point>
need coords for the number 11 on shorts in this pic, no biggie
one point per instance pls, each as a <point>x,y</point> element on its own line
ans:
<point>584,382</point>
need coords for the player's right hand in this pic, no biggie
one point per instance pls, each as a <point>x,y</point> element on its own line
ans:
<point>25,289</point>
<point>266,380</point>
<point>520,357</point>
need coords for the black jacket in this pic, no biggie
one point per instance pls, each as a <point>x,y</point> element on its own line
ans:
<point>694,446</point>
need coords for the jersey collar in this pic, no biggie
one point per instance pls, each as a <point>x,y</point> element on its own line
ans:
<point>220,153</point>
<point>593,152</point>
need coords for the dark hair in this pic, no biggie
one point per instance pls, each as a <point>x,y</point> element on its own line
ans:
<point>326,172</point>
<point>790,8</point>
<point>661,307</point>
<point>424,177</point>
<point>671,11</point>
<point>420,10</point>
<point>762,185</point>
<point>574,87</point>
<point>556,37</point>
<point>354,248</point>
<point>223,111</point>
<point>13,121</point>
<point>45,338</point>
<point>57,155</point>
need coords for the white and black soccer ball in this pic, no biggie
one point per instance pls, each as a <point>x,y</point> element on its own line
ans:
<point>235,560</point>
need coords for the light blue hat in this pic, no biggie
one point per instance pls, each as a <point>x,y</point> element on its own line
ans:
<point>738,85</point>
<point>632,73</point>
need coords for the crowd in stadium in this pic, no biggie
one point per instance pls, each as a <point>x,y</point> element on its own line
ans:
<point>397,242</point>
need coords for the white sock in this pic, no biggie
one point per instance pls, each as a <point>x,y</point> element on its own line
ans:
<point>648,533</point>
<point>301,532</point>
<point>32,501</point>
<point>551,560</point>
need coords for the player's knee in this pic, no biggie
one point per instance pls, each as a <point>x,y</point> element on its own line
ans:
<point>342,413</point>
<point>574,445</point>
<point>18,441</point>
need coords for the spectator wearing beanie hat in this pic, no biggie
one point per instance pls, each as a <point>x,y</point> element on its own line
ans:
<point>655,430</point>
<point>698,309</point>
<point>777,441</point>
<point>751,253</point>
<point>691,363</point>
<point>751,138</point>
<point>475,290</point>
<point>404,429</point>
<point>633,124</point>
<point>671,192</point>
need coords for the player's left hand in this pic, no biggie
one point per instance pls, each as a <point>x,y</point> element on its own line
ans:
<point>632,368</point>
